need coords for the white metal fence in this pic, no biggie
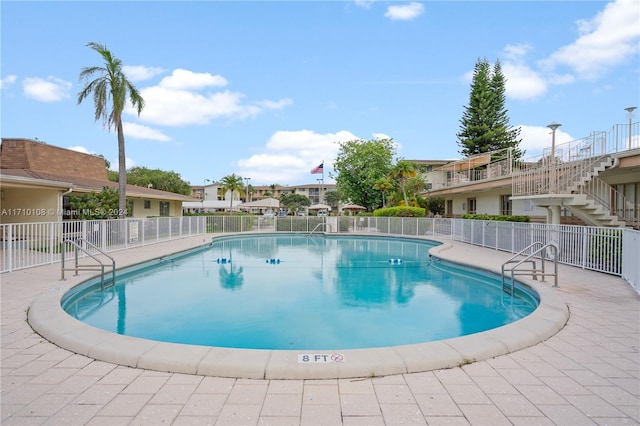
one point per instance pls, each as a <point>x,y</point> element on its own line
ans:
<point>608,250</point>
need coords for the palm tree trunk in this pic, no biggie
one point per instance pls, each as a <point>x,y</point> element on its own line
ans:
<point>122,173</point>
<point>404,195</point>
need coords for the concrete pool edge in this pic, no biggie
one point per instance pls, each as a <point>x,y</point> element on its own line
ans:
<point>48,319</point>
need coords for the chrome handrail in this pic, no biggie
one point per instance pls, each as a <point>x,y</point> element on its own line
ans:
<point>541,251</point>
<point>78,247</point>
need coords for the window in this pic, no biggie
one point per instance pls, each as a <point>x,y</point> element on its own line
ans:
<point>147,204</point>
<point>164,208</point>
<point>429,186</point>
<point>471,205</point>
<point>505,205</point>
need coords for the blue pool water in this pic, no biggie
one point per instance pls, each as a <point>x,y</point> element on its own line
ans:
<point>301,292</point>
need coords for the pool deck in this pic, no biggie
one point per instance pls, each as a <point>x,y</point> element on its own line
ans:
<point>587,373</point>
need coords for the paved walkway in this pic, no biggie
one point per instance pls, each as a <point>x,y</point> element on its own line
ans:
<point>588,373</point>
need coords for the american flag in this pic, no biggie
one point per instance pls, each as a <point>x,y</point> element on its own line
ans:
<point>318,169</point>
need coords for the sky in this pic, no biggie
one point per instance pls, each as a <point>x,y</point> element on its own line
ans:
<point>269,89</point>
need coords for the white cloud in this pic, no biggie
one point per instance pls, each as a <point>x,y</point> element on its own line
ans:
<point>515,52</point>
<point>179,100</point>
<point>364,3</point>
<point>380,136</point>
<point>290,155</point>
<point>405,12</point>
<point>181,79</point>
<point>605,41</point>
<point>7,81</point>
<point>182,107</point>
<point>114,163</point>
<point>51,89</point>
<point>609,39</point>
<point>81,149</point>
<point>273,105</point>
<point>522,81</point>
<point>536,138</point>
<point>139,131</point>
<point>129,163</point>
<point>140,72</point>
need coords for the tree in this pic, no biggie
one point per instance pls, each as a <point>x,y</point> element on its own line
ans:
<point>401,173</point>
<point>232,183</point>
<point>95,205</point>
<point>110,91</point>
<point>294,202</point>
<point>358,167</point>
<point>436,205</point>
<point>332,198</point>
<point>271,193</point>
<point>484,126</point>
<point>383,185</point>
<point>159,179</point>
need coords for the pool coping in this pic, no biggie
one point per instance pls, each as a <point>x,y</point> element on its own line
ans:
<point>48,319</point>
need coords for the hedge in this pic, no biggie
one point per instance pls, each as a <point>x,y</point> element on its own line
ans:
<point>401,211</point>
<point>497,217</point>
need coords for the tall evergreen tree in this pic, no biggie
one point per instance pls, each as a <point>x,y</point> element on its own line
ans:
<point>484,126</point>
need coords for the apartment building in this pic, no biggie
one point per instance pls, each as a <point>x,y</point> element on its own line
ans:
<point>590,181</point>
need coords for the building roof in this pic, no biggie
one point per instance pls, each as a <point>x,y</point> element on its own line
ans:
<point>37,156</point>
<point>29,163</point>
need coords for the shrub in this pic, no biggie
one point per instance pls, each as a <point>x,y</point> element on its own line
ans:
<point>497,217</point>
<point>400,211</point>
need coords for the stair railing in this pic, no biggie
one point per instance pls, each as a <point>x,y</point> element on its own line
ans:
<point>612,200</point>
<point>527,256</point>
<point>100,266</point>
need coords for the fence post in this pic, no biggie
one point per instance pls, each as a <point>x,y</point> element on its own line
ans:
<point>51,242</point>
<point>9,242</point>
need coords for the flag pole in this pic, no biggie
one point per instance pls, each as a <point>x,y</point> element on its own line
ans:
<point>322,183</point>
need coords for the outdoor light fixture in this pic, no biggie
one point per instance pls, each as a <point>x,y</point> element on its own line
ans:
<point>630,111</point>
<point>247,179</point>
<point>553,184</point>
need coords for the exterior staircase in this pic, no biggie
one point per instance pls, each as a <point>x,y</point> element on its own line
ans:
<point>576,186</point>
<point>589,196</point>
<point>591,212</point>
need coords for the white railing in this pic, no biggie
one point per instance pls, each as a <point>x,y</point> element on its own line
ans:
<point>612,251</point>
<point>612,200</point>
<point>571,163</point>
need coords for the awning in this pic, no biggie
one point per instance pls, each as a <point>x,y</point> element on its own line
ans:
<point>469,163</point>
<point>270,203</point>
<point>319,207</point>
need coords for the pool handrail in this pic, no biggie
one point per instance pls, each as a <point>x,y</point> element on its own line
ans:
<point>534,272</point>
<point>78,267</point>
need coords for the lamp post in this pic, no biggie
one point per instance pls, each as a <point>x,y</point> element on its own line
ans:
<point>630,111</point>
<point>319,190</point>
<point>203,186</point>
<point>553,184</point>
<point>247,179</point>
<point>204,194</point>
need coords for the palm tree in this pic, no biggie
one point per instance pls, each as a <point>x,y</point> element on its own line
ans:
<point>401,172</point>
<point>232,183</point>
<point>383,185</point>
<point>110,90</point>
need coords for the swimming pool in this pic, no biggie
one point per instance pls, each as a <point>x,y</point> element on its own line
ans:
<point>49,320</point>
<point>301,292</point>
